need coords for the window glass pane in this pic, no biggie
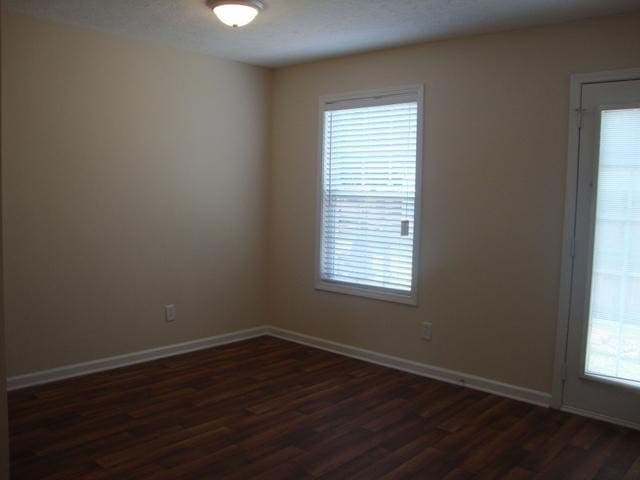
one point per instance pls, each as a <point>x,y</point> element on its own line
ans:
<point>613,344</point>
<point>369,178</point>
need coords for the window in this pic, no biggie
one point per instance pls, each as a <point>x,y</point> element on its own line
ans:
<point>371,149</point>
<point>613,339</point>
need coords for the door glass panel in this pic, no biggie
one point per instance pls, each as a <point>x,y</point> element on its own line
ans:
<point>613,340</point>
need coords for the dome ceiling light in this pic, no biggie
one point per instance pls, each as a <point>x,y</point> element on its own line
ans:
<point>236,13</point>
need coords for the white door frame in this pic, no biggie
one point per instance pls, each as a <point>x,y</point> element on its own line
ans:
<point>566,269</point>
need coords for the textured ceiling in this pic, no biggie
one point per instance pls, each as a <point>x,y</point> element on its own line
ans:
<point>291,31</point>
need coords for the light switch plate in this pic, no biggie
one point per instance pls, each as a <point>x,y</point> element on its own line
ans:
<point>426,330</point>
<point>170,312</point>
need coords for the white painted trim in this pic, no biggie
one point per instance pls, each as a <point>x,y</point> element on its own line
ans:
<point>84,368</point>
<point>599,416</point>
<point>606,76</point>
<point>535,397</point>
<point>450,376</point>
<point>360,99</point>
<point>566,266</point>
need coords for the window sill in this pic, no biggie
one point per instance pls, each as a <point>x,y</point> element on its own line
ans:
<point>367,292</point>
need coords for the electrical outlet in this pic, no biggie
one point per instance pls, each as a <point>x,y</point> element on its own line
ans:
<point>169,313</point>
<point>426,330</point>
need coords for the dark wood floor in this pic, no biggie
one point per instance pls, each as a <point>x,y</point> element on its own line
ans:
<point>270,409</point>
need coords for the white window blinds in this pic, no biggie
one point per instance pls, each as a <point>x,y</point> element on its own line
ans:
<point>613,346</point>
<point>369,165</point>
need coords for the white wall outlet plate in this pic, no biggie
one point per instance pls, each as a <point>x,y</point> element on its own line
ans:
<point>170,312</point>
<point>426,330</point>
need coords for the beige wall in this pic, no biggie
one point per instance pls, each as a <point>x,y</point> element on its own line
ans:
<point>134,176</point>
<point>4,424</point>
<point>493,195</point>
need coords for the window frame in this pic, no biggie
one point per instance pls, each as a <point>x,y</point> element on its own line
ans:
<point>367,98</point>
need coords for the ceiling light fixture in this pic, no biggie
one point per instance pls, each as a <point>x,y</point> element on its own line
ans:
<point>236,13</point>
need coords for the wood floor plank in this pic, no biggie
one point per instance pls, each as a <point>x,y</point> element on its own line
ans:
<point>274,410</point>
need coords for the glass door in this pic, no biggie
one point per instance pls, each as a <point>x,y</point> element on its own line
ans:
<point>613,338</point>
<point>603,348</point>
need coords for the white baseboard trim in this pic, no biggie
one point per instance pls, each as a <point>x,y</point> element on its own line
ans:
<point>599,416</point>
<point>450,376</point>
<point>535,397</point>
<point>78,369</point>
